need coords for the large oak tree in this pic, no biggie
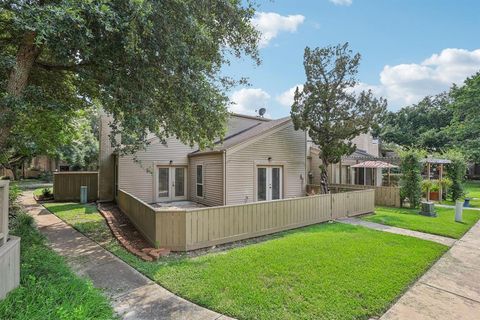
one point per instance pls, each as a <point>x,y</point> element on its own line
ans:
<point>329,109</point>
<point>153,65</point>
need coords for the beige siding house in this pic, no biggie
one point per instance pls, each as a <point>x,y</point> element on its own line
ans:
<point>259,159</point>
<point>342,173</point>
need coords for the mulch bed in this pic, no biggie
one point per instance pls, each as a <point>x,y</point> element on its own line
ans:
<point>126,233</point>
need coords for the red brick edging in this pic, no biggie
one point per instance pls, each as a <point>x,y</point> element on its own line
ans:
<point>146,253</point>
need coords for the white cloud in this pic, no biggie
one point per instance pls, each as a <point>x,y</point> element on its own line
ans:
<point>247,100</point>
<point>271,23</point>
<point>286,97</point>
<point>405,84</point>
<point>341,2</point>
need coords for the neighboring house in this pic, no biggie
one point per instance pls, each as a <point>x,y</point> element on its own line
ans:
<point>259,159</point>
<point>473,171</point>
<point>37,166</point>
<point>342,172</point>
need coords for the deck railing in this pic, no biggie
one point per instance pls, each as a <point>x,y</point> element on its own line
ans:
<point>194,228</point>
<point>384,196</point>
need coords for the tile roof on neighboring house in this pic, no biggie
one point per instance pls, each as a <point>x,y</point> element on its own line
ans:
<point>256,130</point>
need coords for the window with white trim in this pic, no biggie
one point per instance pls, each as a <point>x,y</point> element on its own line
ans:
<point>200,181</point>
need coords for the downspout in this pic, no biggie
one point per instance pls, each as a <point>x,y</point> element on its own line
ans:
<point>224,155</point>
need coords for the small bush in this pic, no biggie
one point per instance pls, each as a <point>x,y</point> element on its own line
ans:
<point>456,171</point>
<point>411,179</point>
<point>47,193</point>
<point>46,176</point>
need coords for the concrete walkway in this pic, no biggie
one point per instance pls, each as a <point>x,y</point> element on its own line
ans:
<point>377,226</point>
<point>133,296</point>
<point>453,207</point>
<point>449,290</point>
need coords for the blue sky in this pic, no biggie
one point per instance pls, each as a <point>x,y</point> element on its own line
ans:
<point>410,48</point>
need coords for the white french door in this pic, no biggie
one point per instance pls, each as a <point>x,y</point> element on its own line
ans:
<point>269,183</point>
<point>171,183</point>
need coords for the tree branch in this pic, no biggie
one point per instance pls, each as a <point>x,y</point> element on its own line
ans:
<point>61,67</point>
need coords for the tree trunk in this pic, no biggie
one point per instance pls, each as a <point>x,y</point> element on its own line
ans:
<point>324,176</point>
<point>27,53</point>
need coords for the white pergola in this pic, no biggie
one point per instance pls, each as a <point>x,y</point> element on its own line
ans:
<point>441,163</point>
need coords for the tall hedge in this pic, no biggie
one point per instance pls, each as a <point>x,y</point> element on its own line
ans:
<point>411,178</point>
<point>456,172</point>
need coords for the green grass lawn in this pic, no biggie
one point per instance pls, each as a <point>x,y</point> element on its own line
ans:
<point>326,271</point>
<point>472,190</point>
<point>48,288</point>
<point>444,224</point>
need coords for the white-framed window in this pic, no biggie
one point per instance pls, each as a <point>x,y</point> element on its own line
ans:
<point>199,185</point>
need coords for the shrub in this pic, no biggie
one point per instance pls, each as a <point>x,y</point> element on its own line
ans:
<point>411,178</point>
<point>427,186</point>
<point>47,193</point>
<point>446,183</point>
<point>456,171</point>
<point>46,176</point>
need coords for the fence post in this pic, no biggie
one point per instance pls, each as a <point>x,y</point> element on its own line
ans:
<point>331,206</point>
<point>4,211</point>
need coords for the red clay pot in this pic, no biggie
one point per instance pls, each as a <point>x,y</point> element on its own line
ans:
<point>434,195</point>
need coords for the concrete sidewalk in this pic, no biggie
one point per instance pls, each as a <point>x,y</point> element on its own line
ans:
<point>381,227</point>
<point>133,296</point>
<point>450,289</point>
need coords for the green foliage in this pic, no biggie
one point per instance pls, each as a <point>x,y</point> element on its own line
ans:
<point>420,125</point>
<point>427,185</point>
<point>81,153</point>
<point>328,109</point>
<point>48,288</point>
<point>444,224</point>
<point>465,126</point>
<point>411,179</point>
<point>446,182</point>
<point>46,176</point>
<point>447,121</point>
<point>47,192</point>
<point>456,173</point>
<point>14,193</point>
<point>154,65</point>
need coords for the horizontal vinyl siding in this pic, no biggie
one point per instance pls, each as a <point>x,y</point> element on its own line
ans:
<point>285,145</point>
<point>136,177</point>
<point>212,179</point>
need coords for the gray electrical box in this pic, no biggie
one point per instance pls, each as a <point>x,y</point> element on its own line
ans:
<point>83,194</point>
<point>428,209</point>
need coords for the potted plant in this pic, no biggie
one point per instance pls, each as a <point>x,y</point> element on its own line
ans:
<point>434,191</point>
<point>426,187</point>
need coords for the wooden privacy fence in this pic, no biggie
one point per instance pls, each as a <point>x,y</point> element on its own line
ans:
<point>66,185</point>
<point>384,196</point>
<point>9,248</point>
<point>189,229</point>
